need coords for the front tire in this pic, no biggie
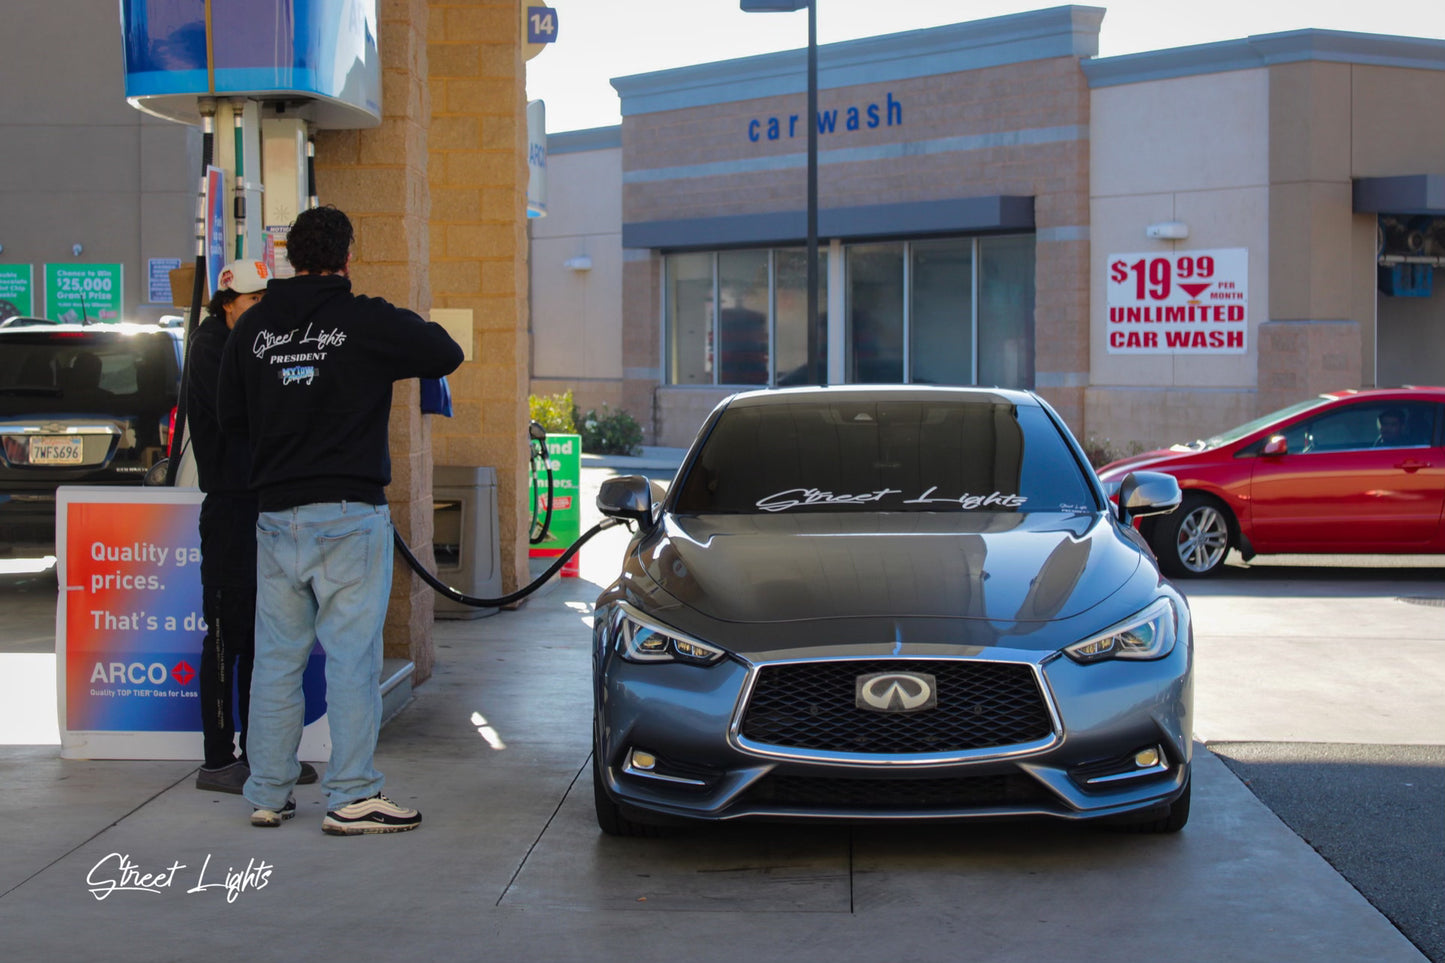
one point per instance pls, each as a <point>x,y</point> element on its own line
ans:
<point>1193,540</point>
<point>1171,822</point>
<point>610,818</point>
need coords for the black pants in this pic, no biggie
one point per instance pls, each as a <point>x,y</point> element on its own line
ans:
<point>227,655</point>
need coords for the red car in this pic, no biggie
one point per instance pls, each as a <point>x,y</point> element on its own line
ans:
<point>1346,472</point>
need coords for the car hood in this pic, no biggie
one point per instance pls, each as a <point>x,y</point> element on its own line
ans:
<point>1158,460</point>
<point>1001,567</point>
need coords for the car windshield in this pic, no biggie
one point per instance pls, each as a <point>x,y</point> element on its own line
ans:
<point>43,371</point>
<point>909,455</point>
<point>1250,427</point>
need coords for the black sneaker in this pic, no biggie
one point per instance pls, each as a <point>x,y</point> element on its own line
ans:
<point>374,815</point>
<point>274,817</point>
<point>233,778</point>
<point>225,779</point>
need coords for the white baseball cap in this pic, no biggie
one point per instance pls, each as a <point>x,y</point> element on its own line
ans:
<point>243,277</point>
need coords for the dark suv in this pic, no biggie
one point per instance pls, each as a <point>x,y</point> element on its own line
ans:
<point>80,405</point>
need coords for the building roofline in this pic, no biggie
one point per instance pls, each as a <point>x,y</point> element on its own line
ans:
<point>1265,50</point>
<point>591,138</point>
<point>1067,31</point>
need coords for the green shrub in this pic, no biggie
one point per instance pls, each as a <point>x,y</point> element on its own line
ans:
<point>556,413</point>
<point>610,433</point>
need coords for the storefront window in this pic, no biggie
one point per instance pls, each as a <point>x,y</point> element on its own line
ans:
<point>940,314</point>
<point>1006,311</point>
<point>875,313</point>
<point>790,308</point>
<point>689,318</point>
<point>952,311</point>
<point>743,318</point>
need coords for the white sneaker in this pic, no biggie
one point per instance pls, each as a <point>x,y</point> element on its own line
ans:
<point>274,817</point>
<point>376,814</point>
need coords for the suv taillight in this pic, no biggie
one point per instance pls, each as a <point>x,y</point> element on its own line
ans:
<point>168,428</point>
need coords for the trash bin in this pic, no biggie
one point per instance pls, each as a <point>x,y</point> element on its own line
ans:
<point>464,503</point>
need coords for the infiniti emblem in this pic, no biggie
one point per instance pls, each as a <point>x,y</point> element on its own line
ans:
<point>896,692</point>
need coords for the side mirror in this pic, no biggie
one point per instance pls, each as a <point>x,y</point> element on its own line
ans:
<point>628,497</point>
<point>1275,446</point>
<point>1148,493</point>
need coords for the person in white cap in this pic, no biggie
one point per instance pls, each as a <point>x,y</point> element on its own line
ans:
<point>228,539</point>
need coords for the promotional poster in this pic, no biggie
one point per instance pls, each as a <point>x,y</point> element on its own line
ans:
<point>129,627</point>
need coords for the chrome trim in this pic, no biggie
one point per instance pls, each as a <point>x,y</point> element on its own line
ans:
<point>55,428</point>
<point>631,770</point>
<point>1153,770</point>
<point>893,760</point>
<point>626,610</point>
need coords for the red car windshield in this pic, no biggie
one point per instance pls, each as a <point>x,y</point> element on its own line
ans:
<point>1250,427</point>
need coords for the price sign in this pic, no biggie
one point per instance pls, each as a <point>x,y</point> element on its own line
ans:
<point>84,292</point>
<point>1188,302</point>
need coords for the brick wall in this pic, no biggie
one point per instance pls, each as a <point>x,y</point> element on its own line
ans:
<point>378,177</point>
<point>1016,129</point>
<point>477,164</point>
<point>437,193</point>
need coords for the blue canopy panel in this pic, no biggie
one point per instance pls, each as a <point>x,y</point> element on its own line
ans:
<point>319,53</point>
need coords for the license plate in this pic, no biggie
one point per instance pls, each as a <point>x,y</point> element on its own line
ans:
<point>57,450</point>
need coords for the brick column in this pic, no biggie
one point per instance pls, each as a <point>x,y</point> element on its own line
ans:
<point>477,172</point>
<point>379,178</point>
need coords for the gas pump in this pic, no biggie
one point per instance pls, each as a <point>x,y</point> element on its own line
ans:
<point>128,617</point>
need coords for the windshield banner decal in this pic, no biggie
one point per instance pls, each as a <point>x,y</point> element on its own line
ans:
<point>811,497</point>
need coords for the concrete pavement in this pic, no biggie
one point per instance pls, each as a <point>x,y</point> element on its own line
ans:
<point>509,864</point>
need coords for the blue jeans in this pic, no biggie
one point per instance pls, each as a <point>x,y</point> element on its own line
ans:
<point>323,574</point>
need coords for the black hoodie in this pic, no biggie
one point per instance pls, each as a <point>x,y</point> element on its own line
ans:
<point>306,377</point>
<point>223,467</point>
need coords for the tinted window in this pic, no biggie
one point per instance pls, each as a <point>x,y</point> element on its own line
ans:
<point>104,371</point>
<point>891,455</point>
<point>1365,425</point>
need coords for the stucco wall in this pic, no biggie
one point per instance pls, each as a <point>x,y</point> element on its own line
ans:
<point>577,314</point>
<point>80,165</point>
<point>1190,149</point>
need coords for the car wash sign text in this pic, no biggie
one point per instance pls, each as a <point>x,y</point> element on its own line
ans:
<point>1187,302</point>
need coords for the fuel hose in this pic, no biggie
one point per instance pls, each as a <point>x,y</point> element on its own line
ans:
<point>521,593</point>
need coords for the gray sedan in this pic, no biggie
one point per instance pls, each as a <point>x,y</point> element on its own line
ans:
<point>885,603</point>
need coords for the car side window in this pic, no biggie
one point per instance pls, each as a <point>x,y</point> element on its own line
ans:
<point>1365,426</point>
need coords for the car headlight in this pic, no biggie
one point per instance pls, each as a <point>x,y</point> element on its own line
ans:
<point>1148,635</point>
<point>640,640</point>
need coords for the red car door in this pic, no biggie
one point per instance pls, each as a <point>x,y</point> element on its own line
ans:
<point>1349,482</point>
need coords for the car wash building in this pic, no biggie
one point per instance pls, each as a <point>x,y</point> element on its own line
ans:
<point>1161,244</point>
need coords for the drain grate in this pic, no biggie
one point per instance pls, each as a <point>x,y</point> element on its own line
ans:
<point>1422,600</point>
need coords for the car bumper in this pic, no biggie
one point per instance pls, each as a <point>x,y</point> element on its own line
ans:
<point>684,720</point>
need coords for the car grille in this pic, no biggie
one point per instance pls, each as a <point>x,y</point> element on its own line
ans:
<point>811,705</point>
<point>895,794</point>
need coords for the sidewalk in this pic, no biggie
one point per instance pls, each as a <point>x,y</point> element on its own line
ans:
<point>652,459</point>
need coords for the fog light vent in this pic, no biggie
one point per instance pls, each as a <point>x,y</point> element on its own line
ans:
<point>1141,763</point>
<point>644,765</point>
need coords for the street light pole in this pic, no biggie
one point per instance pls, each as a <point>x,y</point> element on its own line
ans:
<point>817,369</point>
<point>815,375</point>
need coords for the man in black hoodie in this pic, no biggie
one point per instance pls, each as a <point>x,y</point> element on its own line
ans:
<point>228,538</point>
<point>306,377</point>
